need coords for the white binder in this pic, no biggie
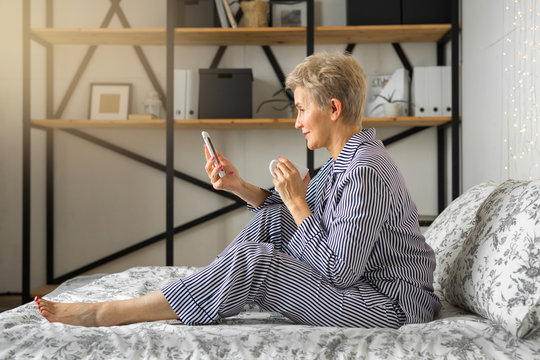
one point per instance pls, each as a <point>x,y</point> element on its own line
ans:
<point>186,94</point>
<point>192,95</point>
<point>446,83</point>
<point>180,83</point>
<point>434,91</point>
<point>419,95</point>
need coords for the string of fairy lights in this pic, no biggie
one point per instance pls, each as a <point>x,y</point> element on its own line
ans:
<point>521,60</point>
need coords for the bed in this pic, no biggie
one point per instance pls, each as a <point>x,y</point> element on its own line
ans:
<point>469,326</point>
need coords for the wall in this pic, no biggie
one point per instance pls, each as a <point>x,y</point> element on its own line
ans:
<point>500,130</point>
<point>483,124</point>
<point>104,202</point>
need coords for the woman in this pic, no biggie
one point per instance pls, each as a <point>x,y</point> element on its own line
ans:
<point>343,249</point>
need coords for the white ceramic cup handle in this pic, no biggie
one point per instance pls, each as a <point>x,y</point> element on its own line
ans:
<point>272,167</point>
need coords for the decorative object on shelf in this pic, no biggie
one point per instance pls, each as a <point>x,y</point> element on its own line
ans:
<point>288,13</point>
<point>196,13</point>
<point>386,89</point>
<point>221,13</point>
<point>225,93</point>
<point>287,102</point>
<point>109,101</point>
<point>255,13</point>
<point>229,13</point>
<point>152,104</point>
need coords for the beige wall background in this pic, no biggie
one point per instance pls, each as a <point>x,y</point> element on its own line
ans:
<point>105,202</point>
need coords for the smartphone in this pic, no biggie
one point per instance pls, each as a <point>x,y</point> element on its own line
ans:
<point>212,151</point>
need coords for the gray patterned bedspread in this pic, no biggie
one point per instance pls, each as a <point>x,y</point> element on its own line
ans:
<point>252,334</point>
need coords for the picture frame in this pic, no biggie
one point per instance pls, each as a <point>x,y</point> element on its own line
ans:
<point>288,13</point>
<point>109,101</point>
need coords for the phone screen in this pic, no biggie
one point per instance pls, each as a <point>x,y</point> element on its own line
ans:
<point>210,145</point>
<point>211,148</point>
<point>212,151</point>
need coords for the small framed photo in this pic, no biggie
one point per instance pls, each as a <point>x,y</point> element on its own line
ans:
<point>288,13</point>
<point>109,101</point>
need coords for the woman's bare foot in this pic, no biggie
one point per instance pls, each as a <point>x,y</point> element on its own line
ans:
<point>151,307</point>
<point>83,314</point>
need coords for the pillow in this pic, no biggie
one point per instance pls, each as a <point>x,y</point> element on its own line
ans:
<point>447,233</point>
<point>497,273</point>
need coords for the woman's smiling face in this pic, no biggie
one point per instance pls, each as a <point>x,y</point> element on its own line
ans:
<point>314,122</point>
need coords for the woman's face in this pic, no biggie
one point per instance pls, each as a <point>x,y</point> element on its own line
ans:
<point>314,122</point>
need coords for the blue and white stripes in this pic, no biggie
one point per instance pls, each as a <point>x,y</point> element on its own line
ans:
<point>359,260</point>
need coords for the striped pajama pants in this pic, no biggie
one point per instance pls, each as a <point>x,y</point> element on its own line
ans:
<point>258,268</point>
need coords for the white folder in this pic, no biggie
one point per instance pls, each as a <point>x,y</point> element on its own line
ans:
<point>419,95</point>
<point>446,83</point>
<point>192,95</point>
<point>180,84</point>
<point>186,94</point>
<point>434,91</point>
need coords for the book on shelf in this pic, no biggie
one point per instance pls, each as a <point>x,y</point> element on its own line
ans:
<point>230,15</point>
<point>221,13</point>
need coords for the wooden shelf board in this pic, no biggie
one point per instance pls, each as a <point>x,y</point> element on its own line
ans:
<point>244,36</point>
<point>233,124</point>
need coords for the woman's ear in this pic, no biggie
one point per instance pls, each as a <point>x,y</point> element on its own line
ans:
<point>335,109</point>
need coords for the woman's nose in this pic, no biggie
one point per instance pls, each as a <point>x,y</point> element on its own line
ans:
<point>297,123</point>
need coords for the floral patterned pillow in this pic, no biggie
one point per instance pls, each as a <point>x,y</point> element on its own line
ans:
<point>497,273</point>
<point>447,233</point>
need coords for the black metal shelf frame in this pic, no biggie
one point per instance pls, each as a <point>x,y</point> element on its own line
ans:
<point>168,167</point>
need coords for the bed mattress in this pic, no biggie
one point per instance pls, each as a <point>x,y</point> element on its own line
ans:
<point>252,334</point>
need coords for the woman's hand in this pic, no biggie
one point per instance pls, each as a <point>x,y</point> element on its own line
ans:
<point>292,189</point>
<point>231,181</point>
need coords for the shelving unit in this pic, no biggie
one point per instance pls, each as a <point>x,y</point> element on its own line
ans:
<point>169,37</point>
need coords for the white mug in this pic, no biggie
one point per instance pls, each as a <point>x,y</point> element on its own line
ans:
<point>302,170</point>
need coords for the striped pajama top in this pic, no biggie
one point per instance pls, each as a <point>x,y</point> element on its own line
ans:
<point>364,228</point>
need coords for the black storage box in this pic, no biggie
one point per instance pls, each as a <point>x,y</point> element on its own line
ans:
<point>427,11</point>
<point>196,13</point>
<point>379,12</point>
<point>225,93</point>
<point>394,12</point>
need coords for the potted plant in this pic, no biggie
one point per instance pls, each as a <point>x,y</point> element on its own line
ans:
<point>287,102</point>
<point>393,107</point>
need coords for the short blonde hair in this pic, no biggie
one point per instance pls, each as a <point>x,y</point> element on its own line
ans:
<point>338,76</point>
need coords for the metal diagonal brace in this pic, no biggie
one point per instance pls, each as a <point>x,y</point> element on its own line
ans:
<point>154,239</point>
<point>149,162</point>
